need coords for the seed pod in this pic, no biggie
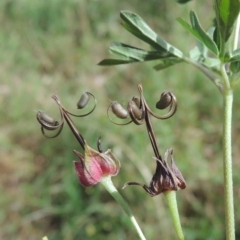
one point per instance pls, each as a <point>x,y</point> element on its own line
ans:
<point>135,109</point>
<point>165,100</point>
<point>45,118</point>
<point>83,101</point>
<point>118,110</point>
<point>137,101</point>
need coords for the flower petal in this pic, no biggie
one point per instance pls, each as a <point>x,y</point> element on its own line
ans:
<point>89,173</point>
<point>84,177</point>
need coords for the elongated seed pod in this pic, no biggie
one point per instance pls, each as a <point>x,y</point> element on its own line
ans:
<point>135,109</point>
<point>118,110</point>
<point>165,100</point>
<point>45,118</point>
<point>83,101</point>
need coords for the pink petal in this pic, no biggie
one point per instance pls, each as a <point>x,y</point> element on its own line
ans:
<point>84,177</point>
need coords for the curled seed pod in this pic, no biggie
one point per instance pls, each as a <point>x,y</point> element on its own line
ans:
<point>137,101</point>
<point>43,117</point>
<point>135,109</point>
<point>83,101</point>
<point>118,110</point>
<point>165,100</point>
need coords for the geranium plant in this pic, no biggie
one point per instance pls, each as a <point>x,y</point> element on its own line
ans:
<point>216,54</point>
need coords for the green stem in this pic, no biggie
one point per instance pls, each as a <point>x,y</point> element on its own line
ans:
<point>227,155</point>
<point>172,204</point>
<point>107,183</point>
<point>227,165</point>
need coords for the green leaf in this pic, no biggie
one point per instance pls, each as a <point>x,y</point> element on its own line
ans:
<point>139,28</point>
<point>213,63</point>
<point>183,1</point>
<point>228,11</point>
<point>111,62</point>
<point>226,14</point>
<point>235,67</point>
<point>199,54</point>
<point>132,53</point>
<point>165,63</point>
<point>197,31</point>
<point>235,55</point>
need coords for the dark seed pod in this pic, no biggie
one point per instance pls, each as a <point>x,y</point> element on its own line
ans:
<point>83,101</point>
<point>137,101</point>
<point>118,110</point>
<point>42,117</point>
<point>135,109</point>
<point>165,100</point>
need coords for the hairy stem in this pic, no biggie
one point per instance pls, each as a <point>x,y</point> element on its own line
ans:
<point>227,155</point>
<point>107,183</point>
<point>227,165</point>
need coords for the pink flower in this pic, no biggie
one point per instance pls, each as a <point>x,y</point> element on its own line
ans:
<point>94,165</point>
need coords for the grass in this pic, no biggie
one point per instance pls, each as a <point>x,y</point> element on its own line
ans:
<point>52,47</point>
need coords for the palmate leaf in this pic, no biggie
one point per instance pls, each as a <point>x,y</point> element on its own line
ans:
<point>139,28</point>
<point>130,54</point>
<point>197,31</point>
<point>226,14</point>
<point>163,51</point>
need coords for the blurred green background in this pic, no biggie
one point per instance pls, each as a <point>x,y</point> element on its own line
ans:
<point>52,47</point>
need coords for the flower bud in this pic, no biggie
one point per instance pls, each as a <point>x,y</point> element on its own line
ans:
<point>94,166</point>
<point>165,100</point>
<point>118,110</point>
<point>83,101</point>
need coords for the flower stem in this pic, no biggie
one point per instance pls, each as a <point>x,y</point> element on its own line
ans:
<point>227,156</point>
<point>172,204</point>
<point>107,183</point>
<point>227,165</point>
